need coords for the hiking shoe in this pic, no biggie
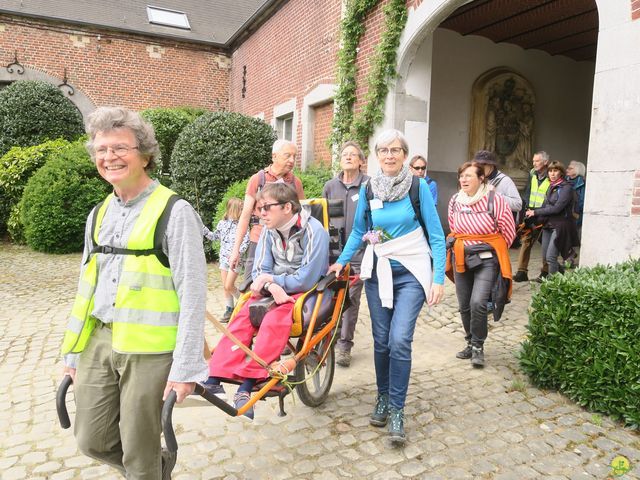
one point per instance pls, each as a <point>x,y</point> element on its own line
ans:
<point>396,425</point>
<point>477,357</point>
<point>226,316</point>
<point>343,358</point>
<point>464,354</point>
<point>380,413</point>
<point>240,399</point>
<point>217,390</point>
<point>520,276</point>
<point>168,462</point>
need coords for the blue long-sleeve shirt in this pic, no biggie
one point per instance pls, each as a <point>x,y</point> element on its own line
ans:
<point>398,219</point>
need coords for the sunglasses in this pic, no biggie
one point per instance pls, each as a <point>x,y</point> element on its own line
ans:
<point>419,168</point>
<point>267,206</point>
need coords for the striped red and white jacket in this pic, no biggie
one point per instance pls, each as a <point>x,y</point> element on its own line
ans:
<point>476,219</point>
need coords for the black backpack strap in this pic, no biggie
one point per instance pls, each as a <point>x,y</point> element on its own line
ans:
<point>414,196</point>
<point>262,179</point>
<point>367,207</point>
<point>94,220</point>
<point>161,229</point>
<point>491,208</point>
<point>158,237</point>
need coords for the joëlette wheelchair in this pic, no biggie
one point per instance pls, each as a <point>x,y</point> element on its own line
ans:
<point>316,318</point>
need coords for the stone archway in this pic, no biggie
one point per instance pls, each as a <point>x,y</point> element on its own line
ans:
<point>19,72</point>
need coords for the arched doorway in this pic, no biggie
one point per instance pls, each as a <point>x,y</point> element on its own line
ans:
<point>449,44</point>
<point>15,71</point>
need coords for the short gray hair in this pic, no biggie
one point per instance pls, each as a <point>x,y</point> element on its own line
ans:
<point>389,136</point>
<point>106,119</point>
<point>543,155</point>
<point>580,167</point>
<point>278,144</point>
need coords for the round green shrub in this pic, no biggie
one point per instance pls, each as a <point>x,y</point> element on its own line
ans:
<point>57,200</point>
<point>583,338</point>
<point>216,150</point>
<point>168,123</point>
<point>313,180</point>
<point>32,112</point>
<point>16,167</point>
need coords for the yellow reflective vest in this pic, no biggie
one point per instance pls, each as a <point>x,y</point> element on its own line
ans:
<point>147,306</point>
<point>538,191</point>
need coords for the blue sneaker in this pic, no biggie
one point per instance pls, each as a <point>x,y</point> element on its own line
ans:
<point>217,390</point>
<point>240,399</point>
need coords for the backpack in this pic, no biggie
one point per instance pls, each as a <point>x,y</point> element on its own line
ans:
<point>414,196</point>
<point>262,180</point>
<point>158,236</point>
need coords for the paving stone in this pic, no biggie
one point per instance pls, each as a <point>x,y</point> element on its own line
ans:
<point>494,433</point>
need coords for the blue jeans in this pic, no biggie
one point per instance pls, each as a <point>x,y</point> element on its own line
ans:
<point>392,330</point>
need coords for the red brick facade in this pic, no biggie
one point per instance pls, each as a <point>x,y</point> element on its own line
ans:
<point>113,68</point>
<point>287,57</point>
<point>321,133</point>
<point>635,9</point>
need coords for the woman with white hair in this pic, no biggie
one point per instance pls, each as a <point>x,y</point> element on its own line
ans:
<point>575,176</point>
<point>397,218</point>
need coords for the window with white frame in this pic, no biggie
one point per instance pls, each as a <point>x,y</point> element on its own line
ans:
<point>169,18</point>
<point>284,127</point>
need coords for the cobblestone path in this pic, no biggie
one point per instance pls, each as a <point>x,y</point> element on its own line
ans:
<point>461,423</point>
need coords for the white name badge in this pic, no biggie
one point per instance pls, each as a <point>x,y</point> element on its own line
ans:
<point>354,198</point>
<point>375,204</point>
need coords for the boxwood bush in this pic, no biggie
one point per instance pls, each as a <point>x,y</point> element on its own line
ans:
<point>32,112</point>
<point>168,123</point>
<point>216,150</point>
<point>583,338</point>
<point>57,200</point>
<point>16,167</point>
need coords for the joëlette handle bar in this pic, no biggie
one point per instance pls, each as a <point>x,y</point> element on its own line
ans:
<point>61,405</point>
<point>167,410</point>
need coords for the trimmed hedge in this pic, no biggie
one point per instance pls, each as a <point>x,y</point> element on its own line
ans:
<point>583,338</point>
<point>57,200</point>
<point>216,150</point>
<point>16,167</point>
<point>168,123</point>
<point>32,112</point>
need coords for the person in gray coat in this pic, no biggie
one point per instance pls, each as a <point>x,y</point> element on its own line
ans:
<point>346,187</point>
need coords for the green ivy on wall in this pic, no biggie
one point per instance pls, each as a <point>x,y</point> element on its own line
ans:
<point>345,125</point>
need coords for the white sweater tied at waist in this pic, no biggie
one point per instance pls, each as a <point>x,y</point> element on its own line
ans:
<point>411,251</point>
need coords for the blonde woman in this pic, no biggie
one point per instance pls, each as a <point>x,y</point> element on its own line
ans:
<point>225,233</point>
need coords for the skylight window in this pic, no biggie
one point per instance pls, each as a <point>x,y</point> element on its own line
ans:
<point>170,18</point>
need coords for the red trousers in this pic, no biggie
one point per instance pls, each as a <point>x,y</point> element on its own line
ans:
<point>228,361</point>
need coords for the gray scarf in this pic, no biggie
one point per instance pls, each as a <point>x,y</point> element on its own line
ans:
<point>390,189</point>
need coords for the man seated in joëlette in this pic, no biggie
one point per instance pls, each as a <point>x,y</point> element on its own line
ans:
<point>291,256</point>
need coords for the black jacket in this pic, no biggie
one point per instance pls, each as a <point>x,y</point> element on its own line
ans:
<point>557,213</point>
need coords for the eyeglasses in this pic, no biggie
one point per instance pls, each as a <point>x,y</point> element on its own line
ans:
<point>420,168</point>
<point>394,151</point>
<point>118,151</point>
<point>267,206</point>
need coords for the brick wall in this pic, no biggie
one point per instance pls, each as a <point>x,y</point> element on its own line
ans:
<point>635,9</point>
<point>287,57</point>
<point>134,71</point>
<point>321,132</point>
